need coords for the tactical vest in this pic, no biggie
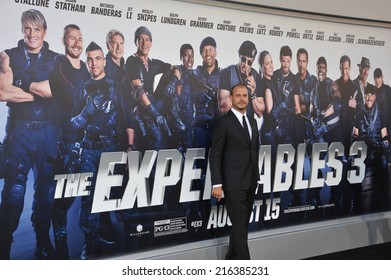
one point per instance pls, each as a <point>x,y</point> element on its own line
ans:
<point>307,86</point>
<point>24,70</point>
<point>324,94</point>
<point>206,100</point>
<point>323,97</point>
<point>105,122</point>
<point>370,125</point>
<point>186,106</point>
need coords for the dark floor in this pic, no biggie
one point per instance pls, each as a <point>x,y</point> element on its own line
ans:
<point>374,252</point>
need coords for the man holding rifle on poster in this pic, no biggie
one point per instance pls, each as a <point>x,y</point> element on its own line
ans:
<point>147,112</point>
<point>371,126</point>
<point>104,109</point>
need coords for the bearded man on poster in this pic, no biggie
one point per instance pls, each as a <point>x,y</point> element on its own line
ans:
<point>102,117</point>
<point>68,74</point>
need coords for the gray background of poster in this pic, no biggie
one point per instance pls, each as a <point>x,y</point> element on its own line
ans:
<point>364,9</point>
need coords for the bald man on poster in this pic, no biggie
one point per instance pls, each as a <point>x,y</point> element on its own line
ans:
<point>234,168</point>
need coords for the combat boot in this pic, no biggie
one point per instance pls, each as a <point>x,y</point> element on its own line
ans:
<point>5,246</point>
<point>61,243</point>
<point>95,245</point>
<point>60,239</point>
<point>44,248</point>
<point>88,251</point>
<point>107,231</point>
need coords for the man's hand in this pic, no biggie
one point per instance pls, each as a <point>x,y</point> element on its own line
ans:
<point>92,105</point>
<point>157,117</point>
<point>352,102</point>
<point>223,101</point>
<point>6,74</point>
<point>217,192</point>
<point>251,85</point>
<point>171,87</point>
<point>101,103</point>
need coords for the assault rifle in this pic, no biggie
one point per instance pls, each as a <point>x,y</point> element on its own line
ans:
<point>382,147</point>
<point>209,90</point>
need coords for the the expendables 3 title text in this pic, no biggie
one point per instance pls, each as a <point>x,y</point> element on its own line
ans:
<point>172,166</point>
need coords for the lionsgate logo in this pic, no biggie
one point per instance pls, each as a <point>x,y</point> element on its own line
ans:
<point>139,231</point>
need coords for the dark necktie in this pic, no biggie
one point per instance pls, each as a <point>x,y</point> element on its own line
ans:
<point>245,127</point>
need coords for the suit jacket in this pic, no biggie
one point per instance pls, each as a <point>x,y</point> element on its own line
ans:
<point>233,158</point>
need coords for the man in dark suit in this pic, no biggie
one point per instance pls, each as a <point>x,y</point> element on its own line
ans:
<point>234,168</point>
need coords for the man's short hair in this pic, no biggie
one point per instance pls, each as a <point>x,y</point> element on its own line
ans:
<point>300,51</point>
<point>377,73</point>
<point>285,51</point>
<point>67,28</point>
<point>93,47</point>
<point>345,58</point>
<point>34,17</point>
<point>321,60</point>
<point>111,34</point>
<point>208,41</point>
<point>142,30</point>
<point>370,89</point>
<point>247,48</point>
<point>231,92</point>
<point>184,48</point>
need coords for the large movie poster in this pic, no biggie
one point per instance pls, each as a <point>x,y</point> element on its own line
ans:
<point>99,163</point>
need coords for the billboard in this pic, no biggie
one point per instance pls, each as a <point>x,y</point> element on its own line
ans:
<point>322,153</point>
